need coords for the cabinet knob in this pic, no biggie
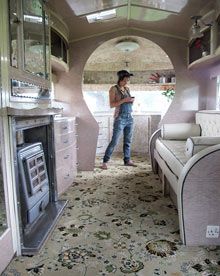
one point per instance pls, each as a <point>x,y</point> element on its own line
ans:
<point>66,176</point>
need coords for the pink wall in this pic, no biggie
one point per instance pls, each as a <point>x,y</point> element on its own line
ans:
<point>190,88</point>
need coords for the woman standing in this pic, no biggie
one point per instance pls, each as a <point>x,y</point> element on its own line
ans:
<point>120,98</point>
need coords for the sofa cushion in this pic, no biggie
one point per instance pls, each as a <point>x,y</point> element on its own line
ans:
<point>173,153</point>
<point>196,144</point>
<point>180,131</point>
<point>210,122</point>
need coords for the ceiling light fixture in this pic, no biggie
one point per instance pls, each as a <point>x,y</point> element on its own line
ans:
<point>127,45</point>
<point>99,16</point>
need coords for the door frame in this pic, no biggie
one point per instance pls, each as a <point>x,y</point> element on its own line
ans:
<point>10,239</point>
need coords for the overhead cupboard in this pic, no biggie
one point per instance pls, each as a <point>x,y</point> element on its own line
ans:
<point>29,50</point>
<point>204,48</point>
<point>38,46</point>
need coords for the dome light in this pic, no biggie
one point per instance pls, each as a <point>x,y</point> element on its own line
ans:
<point>127,45</point>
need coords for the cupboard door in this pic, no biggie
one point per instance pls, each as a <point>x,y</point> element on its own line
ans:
<point>6,195</point>
<point>7,212</point>
<point>5,227</point>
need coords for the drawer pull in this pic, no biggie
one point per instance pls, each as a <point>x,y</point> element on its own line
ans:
<point>99,147</point>
<point>67,156</point>
<point>67,176</point>
<point>66,141</point>
<point>65,127</point>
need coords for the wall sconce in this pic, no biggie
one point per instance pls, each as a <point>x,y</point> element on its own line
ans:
<point>196,27</point>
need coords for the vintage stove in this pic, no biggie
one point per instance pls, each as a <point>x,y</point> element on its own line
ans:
<point>34,162</point>
<point>34,185</point>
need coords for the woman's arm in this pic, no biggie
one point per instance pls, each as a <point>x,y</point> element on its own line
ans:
<point>113,99</point>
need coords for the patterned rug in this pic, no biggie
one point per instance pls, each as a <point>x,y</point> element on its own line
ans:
<point>118,223</point>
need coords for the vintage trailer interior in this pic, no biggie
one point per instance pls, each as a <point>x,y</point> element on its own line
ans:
<point>60,212</point>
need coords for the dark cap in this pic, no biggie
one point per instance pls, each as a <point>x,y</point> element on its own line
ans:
<point>123,73</point>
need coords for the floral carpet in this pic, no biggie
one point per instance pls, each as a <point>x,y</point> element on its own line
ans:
<point>117,222</point>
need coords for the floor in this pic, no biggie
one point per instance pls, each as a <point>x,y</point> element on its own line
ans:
<point>117,222</point>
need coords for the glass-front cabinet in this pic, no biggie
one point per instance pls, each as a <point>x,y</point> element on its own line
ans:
<point>29,49</point>
<point>36,40</point>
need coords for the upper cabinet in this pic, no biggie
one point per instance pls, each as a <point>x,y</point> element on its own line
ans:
<point>205,50</point>
<point>29,49</point>
<point>59,44</point>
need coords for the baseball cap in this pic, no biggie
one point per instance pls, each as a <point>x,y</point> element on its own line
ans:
<point>123,73</point>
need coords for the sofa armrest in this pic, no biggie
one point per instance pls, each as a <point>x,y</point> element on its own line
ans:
<point>152,143</point>
<point>180,131</point>
<point>196,144</point>
<point>199,196</point>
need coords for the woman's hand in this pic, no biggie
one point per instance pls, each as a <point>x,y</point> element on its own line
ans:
<point>128,100</point>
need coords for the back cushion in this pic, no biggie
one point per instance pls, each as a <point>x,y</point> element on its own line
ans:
<point>179,131</point>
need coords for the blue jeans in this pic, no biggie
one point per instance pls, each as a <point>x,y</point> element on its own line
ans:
<point>123,123</point>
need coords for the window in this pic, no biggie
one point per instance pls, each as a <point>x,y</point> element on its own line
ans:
<point>145,101</point>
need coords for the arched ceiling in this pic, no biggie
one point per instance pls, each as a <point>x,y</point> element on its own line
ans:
<point>149,56</point>
<point>165,17</point>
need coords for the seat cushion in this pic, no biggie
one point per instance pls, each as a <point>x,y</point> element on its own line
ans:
<point>173,153</point>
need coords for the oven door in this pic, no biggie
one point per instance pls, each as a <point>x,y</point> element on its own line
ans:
<point>35,172</point>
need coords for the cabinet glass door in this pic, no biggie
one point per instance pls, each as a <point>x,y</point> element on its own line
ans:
<point>13,32</point>
<point>35,38</point>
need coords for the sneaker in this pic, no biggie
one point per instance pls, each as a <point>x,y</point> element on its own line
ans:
<point>130,163</point>
<point>104,166</point>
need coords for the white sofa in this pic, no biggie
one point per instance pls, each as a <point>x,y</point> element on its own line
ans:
<point>190,172</point>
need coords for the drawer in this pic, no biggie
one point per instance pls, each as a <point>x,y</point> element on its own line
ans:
<point>102,143</point>
<point>65,178</point>
<point>102,121</point>
<point>66,157</point>
<point>64,126</point>
<point>103,133</point>
<point>64,141</point>
<point>100,151</point>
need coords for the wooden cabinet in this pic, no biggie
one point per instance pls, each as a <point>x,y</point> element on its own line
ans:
<point>104,134</point>
<point>29,41</point>
<point>59,44</point>
<point>144,126</point>
<point>66,152</point>
<point>205,51</point>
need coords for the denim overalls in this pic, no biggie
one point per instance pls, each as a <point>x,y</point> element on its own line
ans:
<point>122,123</point>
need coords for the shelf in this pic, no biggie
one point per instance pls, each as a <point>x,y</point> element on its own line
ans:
<point>205,61</point>
<point>160,83</point>
<point>58,65</point>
